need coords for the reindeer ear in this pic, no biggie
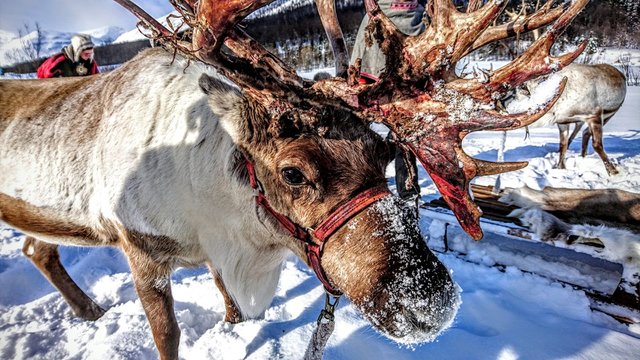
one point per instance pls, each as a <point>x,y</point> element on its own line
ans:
<point>227,102</point>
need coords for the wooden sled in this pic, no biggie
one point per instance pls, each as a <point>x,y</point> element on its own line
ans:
<point>567,258</point>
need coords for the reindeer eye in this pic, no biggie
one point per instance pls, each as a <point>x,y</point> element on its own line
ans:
<point>293,176</point>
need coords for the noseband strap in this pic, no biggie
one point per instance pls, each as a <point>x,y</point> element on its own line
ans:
<point>314,241</point>
<point>334,222</point>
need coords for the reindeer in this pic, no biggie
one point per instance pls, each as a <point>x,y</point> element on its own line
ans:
<point>234,161</point>
<point>594,93</point>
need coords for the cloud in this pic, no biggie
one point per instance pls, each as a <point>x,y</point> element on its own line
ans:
<point>74,15</point>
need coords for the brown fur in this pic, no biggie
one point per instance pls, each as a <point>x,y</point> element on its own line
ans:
<point>46,258</point>
<point>360,265</point>
<point>153,285</point>
<point>324,152</point>
<point>46,94</point>
<point>606,204</point>
<point>42,222</point>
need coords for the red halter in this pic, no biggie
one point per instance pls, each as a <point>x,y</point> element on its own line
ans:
<point>324,230</point>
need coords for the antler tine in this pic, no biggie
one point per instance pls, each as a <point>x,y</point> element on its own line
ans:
<point>474,5</point>
<point>542,17</point>
<point>145,18</point>
<point>495,121</point>
<point>212,22</point>
<point>277,76</point>
<point>486,168</point>
<point>216,18</point>
<point>188,6</point>
<point>448,37</point>
<point>534,62</point>
<point>445,41</point>
<point>329,18</point>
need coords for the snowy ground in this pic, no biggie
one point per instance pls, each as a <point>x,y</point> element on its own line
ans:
<point>504,315</point>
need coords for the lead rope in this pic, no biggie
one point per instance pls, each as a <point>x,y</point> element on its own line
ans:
<point>325,325</point>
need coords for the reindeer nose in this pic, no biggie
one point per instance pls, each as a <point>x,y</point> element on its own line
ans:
<point>426,319</point>
<point>417,308</point>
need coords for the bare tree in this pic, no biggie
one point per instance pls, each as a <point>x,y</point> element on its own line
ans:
<point>31,46</point>
<point>627,69</point>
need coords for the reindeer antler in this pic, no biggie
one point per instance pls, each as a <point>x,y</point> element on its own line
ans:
<point>419,96</point>
<point>430,109</point>
<point>329,18</point>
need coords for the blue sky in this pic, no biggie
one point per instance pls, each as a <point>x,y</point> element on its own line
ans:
<point>73,15</point>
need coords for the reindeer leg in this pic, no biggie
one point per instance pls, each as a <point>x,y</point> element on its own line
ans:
<point>595,126</point>
<point>574,133</point>
<point>232,313</point>
<point>153,284</point>
<point>47,259</point>
<point>564,143</point>
<point>586,135</point>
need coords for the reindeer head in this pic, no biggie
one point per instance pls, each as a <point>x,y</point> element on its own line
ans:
<point>309,163</point>
<point>315,156</point>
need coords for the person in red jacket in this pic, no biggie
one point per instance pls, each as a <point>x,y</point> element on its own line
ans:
<point>75,59</point>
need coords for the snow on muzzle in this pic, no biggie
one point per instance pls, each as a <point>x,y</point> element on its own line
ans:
<point>382,264</point>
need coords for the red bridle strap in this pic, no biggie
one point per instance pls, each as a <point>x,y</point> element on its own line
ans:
<point>348,210</point>
<point>294,229</point>
<point>324,230</point>
<point>332,223</point>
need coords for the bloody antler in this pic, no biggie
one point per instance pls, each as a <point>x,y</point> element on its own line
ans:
<point>419,96</point>
<point>216,18</point>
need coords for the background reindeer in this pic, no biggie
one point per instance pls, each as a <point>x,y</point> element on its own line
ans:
<point>169,162</point>
<point>594,93</point>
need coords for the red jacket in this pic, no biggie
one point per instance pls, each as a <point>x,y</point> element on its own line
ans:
<point>58,66</point>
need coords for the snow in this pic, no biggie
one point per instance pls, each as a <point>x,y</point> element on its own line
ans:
<point>6,36</point>
<point>505,313</point>
<point>621,142</point>
<point>616,56</point>
<point>170,21</point>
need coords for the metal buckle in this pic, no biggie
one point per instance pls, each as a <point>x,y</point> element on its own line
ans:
<point>326,315</point>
